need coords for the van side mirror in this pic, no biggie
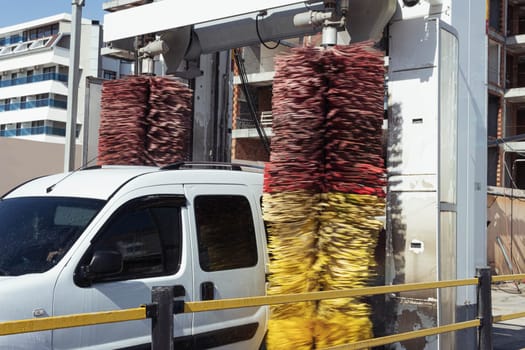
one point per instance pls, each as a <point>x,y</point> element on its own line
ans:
<point>103,263</point>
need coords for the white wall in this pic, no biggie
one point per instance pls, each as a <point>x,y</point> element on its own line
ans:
<point>23,160</point>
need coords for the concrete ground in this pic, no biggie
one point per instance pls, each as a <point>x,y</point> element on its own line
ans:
<point>508,298</point>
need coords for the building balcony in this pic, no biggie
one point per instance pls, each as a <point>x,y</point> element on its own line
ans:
<point>33,58</point>
<point>33,89</point>
<point>256,79</point>
<point>516,44</point>
<point>21,115</point>
<point>117,5</point>
<point>515,95</point>
<point>48,102</point>
<point>245,127</point>
<point>33,79</point>
<point>37,130</point>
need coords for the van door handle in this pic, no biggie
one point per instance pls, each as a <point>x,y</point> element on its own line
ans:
<point>207,291</point>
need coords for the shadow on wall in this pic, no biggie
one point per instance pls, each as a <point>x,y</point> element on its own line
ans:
<point>402,313</point>
<point>22,160</point>
<point>390,250</point>
<point>506,230</point>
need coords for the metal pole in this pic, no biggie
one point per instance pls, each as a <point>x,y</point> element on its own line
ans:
<point>162,324</point>
<point>484,308</point>
<point>72,83</point>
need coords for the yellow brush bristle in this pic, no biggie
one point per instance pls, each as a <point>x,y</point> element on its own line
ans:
<point>293,333</point>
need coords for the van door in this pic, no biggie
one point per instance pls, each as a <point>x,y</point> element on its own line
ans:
<point>149,232</point>
<point>229,263</point>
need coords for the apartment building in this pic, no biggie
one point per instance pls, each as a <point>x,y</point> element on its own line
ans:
<point>506,134</point>
<point>34,67</point>
<point>506,93</point>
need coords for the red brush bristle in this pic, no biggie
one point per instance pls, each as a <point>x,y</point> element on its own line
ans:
<point>145,121</point>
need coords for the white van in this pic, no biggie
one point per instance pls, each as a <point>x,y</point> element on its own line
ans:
<point>99,239</point>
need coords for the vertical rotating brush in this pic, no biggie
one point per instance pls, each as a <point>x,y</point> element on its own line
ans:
<point>291,196</point>
<point>124,104</point>
<point>168,122</point>
<point>145,121</point>
<point>354,181</point>
<point>336,120</point>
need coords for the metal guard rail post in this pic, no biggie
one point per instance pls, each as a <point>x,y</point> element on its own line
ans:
<point>484,297</point>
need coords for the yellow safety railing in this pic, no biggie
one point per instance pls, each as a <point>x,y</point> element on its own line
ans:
<point>153,310</point>
<point>220,304</point>
<point>506,278</point>
<point>365,344</point>
<point>68,321</point>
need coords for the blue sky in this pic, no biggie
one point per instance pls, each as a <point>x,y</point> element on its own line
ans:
<point>18,11</point>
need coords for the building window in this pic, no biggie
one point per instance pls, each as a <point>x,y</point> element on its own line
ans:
<point>110,75</point>
<point>37,127</point>
<point>495,15</point>
<point>40,32</point>
<point>493,113</point>
<point>48,72</point>
<point>494,63</point>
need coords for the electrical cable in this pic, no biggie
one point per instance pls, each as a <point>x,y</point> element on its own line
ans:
<point>244,82</point>
<point>259,34</point>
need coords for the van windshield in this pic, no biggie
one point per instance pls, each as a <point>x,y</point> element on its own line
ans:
<point>35,232</point>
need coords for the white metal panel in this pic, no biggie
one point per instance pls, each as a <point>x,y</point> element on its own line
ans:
<point>413,86</point>
<point>413,124</point>
<point>414,216</point>
<point>167,14</point>
<point>414,44</point>
<point>425,8</point>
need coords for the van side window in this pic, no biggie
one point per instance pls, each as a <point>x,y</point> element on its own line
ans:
<point>225,232</point>
<point>147,233</point>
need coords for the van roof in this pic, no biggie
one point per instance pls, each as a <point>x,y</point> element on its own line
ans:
<point>102,182</point>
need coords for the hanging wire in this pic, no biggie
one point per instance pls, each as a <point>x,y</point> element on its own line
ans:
<point>263,13</point>
<point>244,82</point>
